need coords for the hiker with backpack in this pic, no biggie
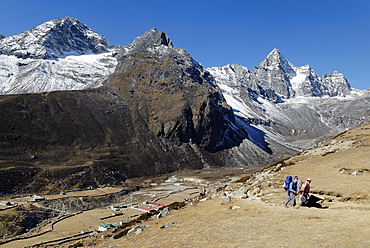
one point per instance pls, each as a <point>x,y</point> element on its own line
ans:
<point>291,192</point>
<point>305,190</point>
<point>288,180</point>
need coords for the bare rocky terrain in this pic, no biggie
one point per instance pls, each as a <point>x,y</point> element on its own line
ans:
<point>250,212</point>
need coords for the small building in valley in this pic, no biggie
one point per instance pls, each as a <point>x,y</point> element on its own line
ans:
<point>5,203</point>
<point>103,227</point>
<point>38,198</point>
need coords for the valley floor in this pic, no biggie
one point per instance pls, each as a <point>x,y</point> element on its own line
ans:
<point>249,212</point>
<point>72,225</point>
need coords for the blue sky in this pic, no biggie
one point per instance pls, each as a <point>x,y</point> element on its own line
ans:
<point>327,34</point>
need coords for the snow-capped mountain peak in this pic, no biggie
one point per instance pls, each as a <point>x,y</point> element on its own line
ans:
<point>336,83</point>
<point>275,60</point>
<point>61,54</point>
<point>292,102</point>
<point>276,80</point>
<point>54,39</point>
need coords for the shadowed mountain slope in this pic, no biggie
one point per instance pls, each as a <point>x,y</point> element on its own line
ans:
<point>78,139</point>
<point>158,112</point>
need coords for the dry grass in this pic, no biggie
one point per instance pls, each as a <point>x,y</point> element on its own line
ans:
<point>342,219</point>
<point>327,172</point>
<point>211,224</point>
<point>73,225</point>
<point>34,240</point>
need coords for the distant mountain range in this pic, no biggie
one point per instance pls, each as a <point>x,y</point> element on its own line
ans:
<point>292,102</point>
<point>149,108</point>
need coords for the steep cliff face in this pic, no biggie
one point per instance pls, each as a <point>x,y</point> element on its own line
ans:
<point>174,94</point>
<point>336,83</point>
<point>270,78</point>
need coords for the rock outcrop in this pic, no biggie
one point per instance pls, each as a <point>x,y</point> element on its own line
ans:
<point>174,95</point>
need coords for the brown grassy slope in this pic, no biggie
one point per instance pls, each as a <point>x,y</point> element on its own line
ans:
<point>341,218</point>
<point>80,138</point>
<point>211,224</point>
<point>339,167</point>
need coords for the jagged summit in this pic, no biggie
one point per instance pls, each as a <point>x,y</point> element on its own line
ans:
<point>157,44</point>
<point>336,83</point>
<point>275,53</point>
<point>275,60</point>
<point>276,79</point>
<point>54,39</point>
<point>150,39</point>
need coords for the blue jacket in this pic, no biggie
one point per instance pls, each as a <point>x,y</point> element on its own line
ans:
<point>293,186</point>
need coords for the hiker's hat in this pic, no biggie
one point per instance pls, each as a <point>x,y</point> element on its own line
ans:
<point>295,177</point>
<point>308,179</point>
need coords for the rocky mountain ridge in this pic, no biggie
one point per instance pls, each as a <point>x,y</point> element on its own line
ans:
<point>282,99</point>
<point>149,108</point>
<point>159,73</point>
<point>276,79</point>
